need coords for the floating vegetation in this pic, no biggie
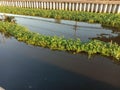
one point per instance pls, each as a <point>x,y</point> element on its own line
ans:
<point>59,43</point>
<point>106,19</point>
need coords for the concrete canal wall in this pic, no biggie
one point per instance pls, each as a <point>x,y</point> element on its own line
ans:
<point>77,5</point>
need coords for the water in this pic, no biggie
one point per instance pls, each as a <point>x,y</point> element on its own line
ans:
<point>69,29</point>
<point>26,67</point>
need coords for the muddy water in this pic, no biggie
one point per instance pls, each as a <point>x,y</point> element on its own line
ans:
<point>26,67</point>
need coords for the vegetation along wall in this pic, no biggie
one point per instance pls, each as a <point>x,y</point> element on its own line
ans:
<point>99,6</point>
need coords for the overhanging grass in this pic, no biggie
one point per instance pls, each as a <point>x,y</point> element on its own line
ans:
<point>110,20</point>
<point>58,43</point>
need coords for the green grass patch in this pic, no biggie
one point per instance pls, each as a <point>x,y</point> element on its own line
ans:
<point>109,20</point>
<point>59,43</point>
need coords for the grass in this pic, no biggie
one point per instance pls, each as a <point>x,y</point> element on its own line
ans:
<point>109,20</point>
<point>59,43</point>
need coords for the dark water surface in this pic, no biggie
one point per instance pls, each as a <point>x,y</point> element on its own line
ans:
<point>26,67</point>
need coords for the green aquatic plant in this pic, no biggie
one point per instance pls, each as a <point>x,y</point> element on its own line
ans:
<point>60,43</point>
<point>106,19</point>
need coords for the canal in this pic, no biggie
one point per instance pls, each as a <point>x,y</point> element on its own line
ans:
<point>27,67</point>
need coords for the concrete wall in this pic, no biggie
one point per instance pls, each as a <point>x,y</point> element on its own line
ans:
<point>87,6</point>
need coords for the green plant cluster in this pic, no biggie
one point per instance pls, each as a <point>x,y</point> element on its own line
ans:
<point>59,43</point>
<point>110,20</point>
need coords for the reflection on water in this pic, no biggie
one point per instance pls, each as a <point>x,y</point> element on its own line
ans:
<point>3,37</point>
<point>25,67</point>
<point>111,34</point>
<point>109,37</point>
<point>103,37</point>
<point>58,21</point>
<point>69,29</point>
<point>75,28</point>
